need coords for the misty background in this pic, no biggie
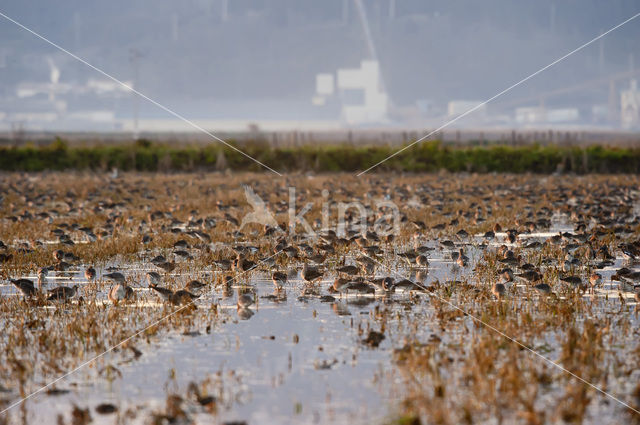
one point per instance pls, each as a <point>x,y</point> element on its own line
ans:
<point>236,63</point>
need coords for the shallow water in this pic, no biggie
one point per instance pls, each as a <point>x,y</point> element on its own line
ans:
<point>296,359</point>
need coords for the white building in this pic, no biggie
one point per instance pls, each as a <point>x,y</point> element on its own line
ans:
<point>537,115</point>
<point>630,106</point>
<point>360,91</point>
<point>459,107</point>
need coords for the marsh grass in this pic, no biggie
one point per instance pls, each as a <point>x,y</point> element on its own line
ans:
<point>430,156</point>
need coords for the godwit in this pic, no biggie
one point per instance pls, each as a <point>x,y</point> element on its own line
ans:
<point>530,276</point>
<point>340,284</point>
<point>163,292</point>
<point>241,264</point>
<point>167,266</point>
<point>311,274</point>
<point>595,279</point>
<point>360,287</point>
<point>462,259</point>
<point>43,272</point>
<point>279,279</point>
<point>115,277</point>
<point>507,274</point>
<point>384,284</point>
<point>543,288</point>
<point>153,277</point>
<point>90,273</point>
<point>422,260</point>
<point>498,289</point>
<point>182,297</point>
<point>120,292</point>
<point>62,293</point>
<point>350,270</point>
<point>245,301</point>
<point>25,286</point>
<point>195,286</point>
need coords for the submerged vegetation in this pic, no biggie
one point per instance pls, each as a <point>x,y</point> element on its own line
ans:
<point>411,327</point>
<point>430,156</point>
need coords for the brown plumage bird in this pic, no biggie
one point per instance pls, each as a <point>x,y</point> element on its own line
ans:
<point>182,297</point>
<point>120,292</point>
<point>90,273</point>
<point>241,264</point>
<point>498,289</point>
<point>360,287</point>
<point>163,292</point>
<point>194,286</point>
<point>25,286</point>
<point>179,297</point>
<point>530,276</point>
<point>543,288</point>
<point>462,259</point>
<point>349,270</point>
<point>382,284</point>
<point>58,255</point>
<point>422,260</point>
<point>167,266</point>
<point>311,274</point>
<point>115,277</point>
<point>62,293</point>
<point>340,284</point>
<point>245,301</point>
<point>279,279</point>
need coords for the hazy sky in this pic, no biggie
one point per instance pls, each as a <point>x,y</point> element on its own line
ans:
<point>260,57</point>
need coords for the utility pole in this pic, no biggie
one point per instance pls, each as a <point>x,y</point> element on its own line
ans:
<point>77,36</point>
<point>224,11</point>
<point>613,100</point>
<point>134,56</point>
<point>175,27</point>
<point>373,55</point>
<point>345,12</point>
<point>601,53</point>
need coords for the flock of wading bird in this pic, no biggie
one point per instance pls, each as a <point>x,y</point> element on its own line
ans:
<point>181,225</point>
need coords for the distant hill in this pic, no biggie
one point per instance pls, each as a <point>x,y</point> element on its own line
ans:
<point>437,49</point>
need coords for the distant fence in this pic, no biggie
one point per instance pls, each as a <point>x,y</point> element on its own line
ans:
<point>357,137</point>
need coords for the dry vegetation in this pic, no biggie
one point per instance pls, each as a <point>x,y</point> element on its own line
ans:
<point>450,360</point>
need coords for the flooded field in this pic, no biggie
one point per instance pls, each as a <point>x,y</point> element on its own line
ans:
<point>385,299</point>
